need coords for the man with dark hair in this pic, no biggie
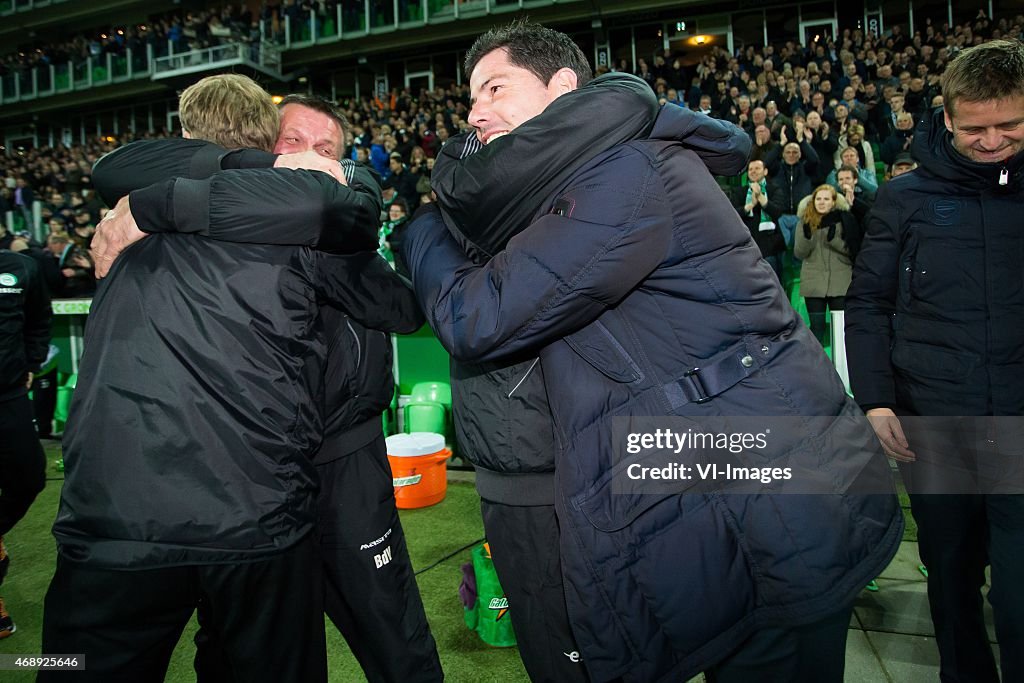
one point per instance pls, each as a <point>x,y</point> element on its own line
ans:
<point>376,606</point>
<point>936,352</point>
<point>588,228</point>
<point>197,409</point>
<point>759,209</point>
<point>24,341</point>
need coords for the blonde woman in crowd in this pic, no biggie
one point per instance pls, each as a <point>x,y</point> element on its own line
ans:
<point>825,227</point>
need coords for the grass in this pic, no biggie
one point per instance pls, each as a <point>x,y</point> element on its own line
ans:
<point>432,534</point>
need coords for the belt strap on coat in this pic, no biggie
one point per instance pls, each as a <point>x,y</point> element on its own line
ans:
<point>701,384</point>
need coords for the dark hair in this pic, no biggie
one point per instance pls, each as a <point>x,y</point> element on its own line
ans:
<point>851,169</point>
<point>401,203</point>
<point>541,51</point>
<point>324,106</point>
<point>990,71</point>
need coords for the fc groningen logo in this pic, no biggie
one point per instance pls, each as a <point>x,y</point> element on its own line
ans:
<point>8,279</point>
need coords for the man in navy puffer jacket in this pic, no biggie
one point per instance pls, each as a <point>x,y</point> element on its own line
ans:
<point>630,273</point>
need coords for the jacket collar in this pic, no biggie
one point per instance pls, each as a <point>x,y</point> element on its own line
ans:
<point>933,149</point>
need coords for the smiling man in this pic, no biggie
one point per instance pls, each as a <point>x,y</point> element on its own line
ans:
<point>933,328</point>
<point>589,232</point>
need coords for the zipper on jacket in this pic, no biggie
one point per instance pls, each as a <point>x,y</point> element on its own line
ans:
<point>528,371</point>
<point>1004,176</point>
<point>359,347</point>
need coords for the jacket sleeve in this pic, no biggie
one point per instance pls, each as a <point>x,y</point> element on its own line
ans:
<point>365,287</point>
<point>771,160</point>
<point>810,158</point>
<point>774,208</point>
<point>38,315</point>
<point>853,234</point>
<point>871,304</point>
<point>266,206</point>
<point>802,245</point>
<point>552,279</point>
<point>145,162</point>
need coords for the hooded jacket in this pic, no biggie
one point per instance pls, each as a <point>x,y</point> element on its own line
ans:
<point>827,262</point>
<point>359,383</point>
<point>502,417</point>
<point>199,399</point>
<point>933,316</point>
<point>637,278</point>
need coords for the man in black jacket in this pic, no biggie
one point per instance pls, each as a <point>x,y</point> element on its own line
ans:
<point>936,352</point>
<point>758,206</point>
<point>24,340</point>
<point>795,175</point>
<point>376,605</point>
<point>196,413</point>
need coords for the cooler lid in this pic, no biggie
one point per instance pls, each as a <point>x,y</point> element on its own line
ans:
<point>417,443</point>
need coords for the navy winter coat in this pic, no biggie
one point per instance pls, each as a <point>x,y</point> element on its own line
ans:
<point>636,270</point>
<point>934,313</point>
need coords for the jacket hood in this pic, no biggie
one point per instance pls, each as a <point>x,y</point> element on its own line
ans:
<point>722,146</point>
<point>841,204</point>
<point>933,149</point>
<point>488,194</point>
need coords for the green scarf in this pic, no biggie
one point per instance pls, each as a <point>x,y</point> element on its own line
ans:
<point>750,200</point>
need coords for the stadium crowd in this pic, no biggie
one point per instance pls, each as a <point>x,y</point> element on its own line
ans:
<point>836,114</point>
<point>173,32</point>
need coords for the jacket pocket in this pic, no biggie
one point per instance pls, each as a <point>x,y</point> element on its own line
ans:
<point>925,360</point>
<point>609,511</point>
<point>908,261</point>
<point>601,350</point>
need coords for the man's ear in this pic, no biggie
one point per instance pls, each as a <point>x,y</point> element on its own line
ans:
<point>565,80</point>
<point>185,134</point>
<point>949,121</point>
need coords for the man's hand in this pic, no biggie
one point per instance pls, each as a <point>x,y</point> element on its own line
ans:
<point>848,192</point>
<point>115,233</point>
<point>311,161</point>
<point>782,136</point>
<point>28,382</point>
<point>890,432</point>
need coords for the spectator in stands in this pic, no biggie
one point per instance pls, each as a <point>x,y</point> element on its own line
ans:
<point>741,114</point>
<point>82,229</point>
<point>403,181</point>
<point>763,143</point>
<point>754,201</point>
<point>860,202</point>
<point>904,163</point>
<point>77,275</point>
<point>23,198</point>
<point>393,231</point>
<point>820,135</point>
<point>794,175</point>
<point>866,177</point>
<point>901,138</point>
<point>826,226</point>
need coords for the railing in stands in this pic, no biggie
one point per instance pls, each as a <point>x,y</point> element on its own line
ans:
<point>301,29</point>
<point>12,6</point>
<point>350,20</point>
<point>266,58</point>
